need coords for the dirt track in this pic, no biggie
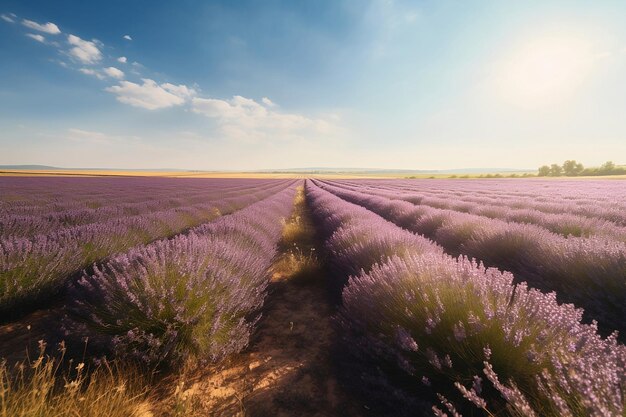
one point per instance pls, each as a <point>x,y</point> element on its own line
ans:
<point>287,370</point>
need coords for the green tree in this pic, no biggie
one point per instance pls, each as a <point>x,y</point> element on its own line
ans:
<point>572,168</point>
<point>544,171</point>
<point>607,167</point>
<point>555,170</point>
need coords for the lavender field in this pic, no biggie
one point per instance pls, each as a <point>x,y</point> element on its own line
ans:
<point>317,296</point>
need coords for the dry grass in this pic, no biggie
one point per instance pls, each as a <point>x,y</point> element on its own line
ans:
<point>47,387</point>
<point>299,259</point>
<point>297,265</point>
<point>293,230</point>
<point>178,395</point>
<point>195,174</point>
<point>296,229</point>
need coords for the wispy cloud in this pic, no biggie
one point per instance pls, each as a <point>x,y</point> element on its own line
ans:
<point>49,27</point>
<point>245,119</point>
<point>268,102</point>
<point>180,90</point>
<point>8,17</point>
<point>81,135</point>
<point>114,72</point>
<point>92,72</point>
<point>98,138</point>
<point>151,95</point>
<point>37,37</point>
<point>238,118</point>
<point>237,108</point>
<point>86,52</point>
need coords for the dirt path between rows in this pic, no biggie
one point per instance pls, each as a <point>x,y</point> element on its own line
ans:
<point>287,370</point>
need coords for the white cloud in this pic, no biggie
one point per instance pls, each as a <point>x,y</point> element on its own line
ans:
<point>122,59</point>
<point>244,119</point>
<point>86,52</point>
<point>81,135</point>
<point>8,17</point>
<point>114,72</point>
<point>49,27</point>
<point>237,108</point>
<point>127,37</point>
<point>179,90</point>
<point>92,72</point>
<point>268,102</point>
<point>151,95</point>
<point>37,37</point>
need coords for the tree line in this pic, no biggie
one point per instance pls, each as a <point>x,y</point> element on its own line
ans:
<point>571,168</point>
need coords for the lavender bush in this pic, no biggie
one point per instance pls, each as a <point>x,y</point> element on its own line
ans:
<point>468,332</point>
<point>30,206</point>
<point>589,272</point>
<point>194,295</point>
<point>476,339</point>
<point>545,195</point>
<point>35,266</point>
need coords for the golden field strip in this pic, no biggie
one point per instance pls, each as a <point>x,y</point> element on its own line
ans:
<point>269,175</point>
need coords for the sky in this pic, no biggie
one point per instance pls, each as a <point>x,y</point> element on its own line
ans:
<point>246,85</point>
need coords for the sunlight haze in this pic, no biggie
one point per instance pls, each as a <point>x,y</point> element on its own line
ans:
<point>264,85</point>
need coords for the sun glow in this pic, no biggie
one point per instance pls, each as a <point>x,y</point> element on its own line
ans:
<point>544,70</point>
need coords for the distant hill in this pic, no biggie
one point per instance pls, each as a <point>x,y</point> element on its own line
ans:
<point>309,170</point>
<point>51,168</point>
<point>30,167</point>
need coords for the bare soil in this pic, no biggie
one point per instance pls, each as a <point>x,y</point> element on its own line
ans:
<point>19,340</point>
<point>286,371</point>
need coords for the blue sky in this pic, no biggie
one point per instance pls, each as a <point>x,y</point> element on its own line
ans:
<point>343,83</point>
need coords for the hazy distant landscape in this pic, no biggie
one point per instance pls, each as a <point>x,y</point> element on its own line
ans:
<point>313,170</point>
<point>331,208</point>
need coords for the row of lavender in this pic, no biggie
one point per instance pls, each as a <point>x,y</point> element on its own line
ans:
<point>34,267</point>
<point>45,194</point>
<point>601,201</point>
<point>465,332</point>
<point>589,272</point>
<point>602,192</point>
<point>195,295</point>
<point>75,201</point>
<point>576,219</point>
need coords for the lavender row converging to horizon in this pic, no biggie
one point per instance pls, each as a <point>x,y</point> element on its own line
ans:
<point>196,295</point>
<point>576,216</point>
<point>465,331</point>
<point>33,206</point>
<point>37,266</point>
<point>589,272</point>
<point>602,199</point>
